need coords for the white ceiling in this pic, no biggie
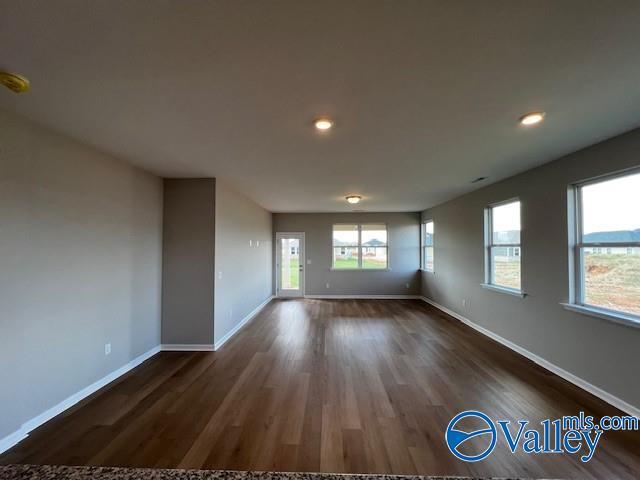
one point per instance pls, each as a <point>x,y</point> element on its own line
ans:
<point>425,95</point>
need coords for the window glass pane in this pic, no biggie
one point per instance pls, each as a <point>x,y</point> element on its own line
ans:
<point>345,257</point>
<point>374,235</point>
<point>610,211</point>
<point>374,257</point>
<point>505,223</point>
<point>428,237</point>
<point>612,278</point>
<point>345,235</point>
<point>428,258</point>
<point>290,264</point>
<point>505,267</point>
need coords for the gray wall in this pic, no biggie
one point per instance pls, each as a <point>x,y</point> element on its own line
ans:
<point>601,352</point>
<point>243,271</point>
<point>188,256</point>
<point>80,266</point>
<point>404,253</point>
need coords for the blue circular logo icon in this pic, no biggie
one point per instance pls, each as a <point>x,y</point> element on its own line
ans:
<point>455,438</point>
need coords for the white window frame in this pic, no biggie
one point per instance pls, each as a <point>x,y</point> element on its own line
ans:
<point>576,257</point>
<point>359,248</point>
<point>488,245</point>
<point>423,247</point>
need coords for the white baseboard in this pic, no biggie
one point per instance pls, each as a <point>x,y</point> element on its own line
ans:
<point>241,324</point>
<point>13,439</point>
<point>568,376</point>
<point>187,347</point>
<point>364,297</point>
<point>23,432</point>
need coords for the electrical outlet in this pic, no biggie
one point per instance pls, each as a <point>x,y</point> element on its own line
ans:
<point>257,243</point>
<point>408,285</point>
<point>107,349</point>
<point>220,275</point>
<point>328,285</point>
<point>250,243</point>
<point>464,303</point>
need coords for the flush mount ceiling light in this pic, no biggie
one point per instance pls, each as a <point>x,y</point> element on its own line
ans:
<point>353,199</point>
<point>323,124</point>
<point>532,118</point>
<point>14,82</point>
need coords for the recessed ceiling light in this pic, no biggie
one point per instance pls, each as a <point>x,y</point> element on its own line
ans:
<point>323,124</point>
<point>354,199</point>
<point>532,118</point>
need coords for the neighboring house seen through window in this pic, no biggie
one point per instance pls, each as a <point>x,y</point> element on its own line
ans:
<point>360,246</point>
<point>502,245</point>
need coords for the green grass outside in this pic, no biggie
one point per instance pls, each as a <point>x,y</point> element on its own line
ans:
<point>347,263</point>
<point>340,263</point>
<point>294,274</point>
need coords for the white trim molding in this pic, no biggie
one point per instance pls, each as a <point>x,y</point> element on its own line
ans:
<point>242,323</point>
<point>23,432</point>
<point>291,293</point>
<point>334,269</point>
<point>187,347</point>
<point>568,376</point>
<point>508,291</point>
<point>621,318</point>
<point>364,297</point>
<point>13,439</point>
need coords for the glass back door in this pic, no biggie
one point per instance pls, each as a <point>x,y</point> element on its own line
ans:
<point>290,264</point>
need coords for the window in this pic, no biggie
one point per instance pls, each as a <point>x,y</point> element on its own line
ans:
<point>502,245</point>
<point>427,246</point>
<point>359,246</point>
<point>606,246</point>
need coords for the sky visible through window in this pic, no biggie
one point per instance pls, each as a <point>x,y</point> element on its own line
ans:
<point>506,218</point>
<point>348,234</point>
<point>612,205</point>
<point>345,234</point>
<point>429,227</point>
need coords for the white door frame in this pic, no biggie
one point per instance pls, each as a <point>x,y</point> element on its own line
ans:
<point>290,293</point>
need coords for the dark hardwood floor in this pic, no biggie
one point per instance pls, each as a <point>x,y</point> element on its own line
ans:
<point>331,386</point>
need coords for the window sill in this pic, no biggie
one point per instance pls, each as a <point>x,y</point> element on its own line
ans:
<point>360,269</point>
<point>508,291</point>
<point>620,318</point>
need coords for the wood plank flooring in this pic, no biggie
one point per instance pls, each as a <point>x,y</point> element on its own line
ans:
<point>354,386</point>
